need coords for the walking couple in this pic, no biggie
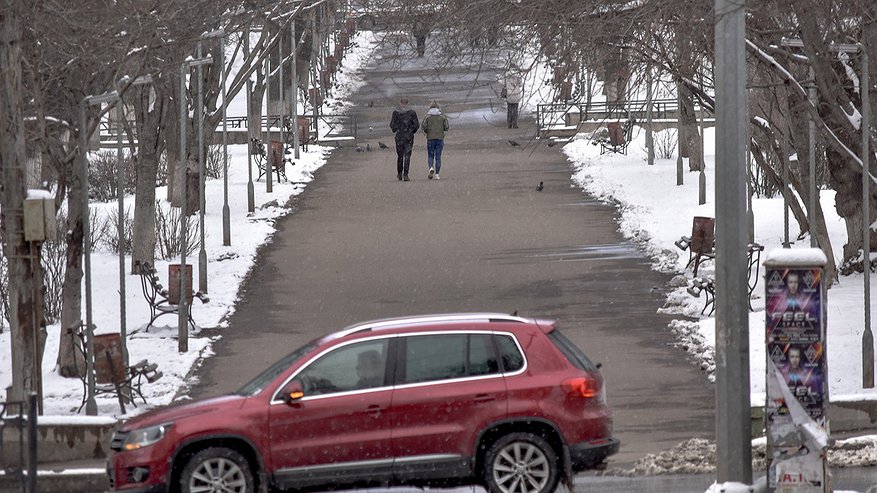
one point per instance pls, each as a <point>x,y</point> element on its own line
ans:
<point>405,124</point>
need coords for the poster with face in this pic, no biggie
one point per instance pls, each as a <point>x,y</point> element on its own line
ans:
<point>794,334</point>
<point>797,384</point>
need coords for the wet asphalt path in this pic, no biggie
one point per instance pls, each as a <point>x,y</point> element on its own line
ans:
<point>362,245</point>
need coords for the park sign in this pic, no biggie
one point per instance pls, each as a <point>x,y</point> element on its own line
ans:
<point>796,405</point>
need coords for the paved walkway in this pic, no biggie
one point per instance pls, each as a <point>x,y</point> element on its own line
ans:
<point>362,245</point>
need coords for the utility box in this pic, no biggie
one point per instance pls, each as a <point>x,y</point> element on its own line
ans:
<point>39,217</point>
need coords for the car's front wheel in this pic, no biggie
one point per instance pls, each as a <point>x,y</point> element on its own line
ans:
<point>217,470</point>
<point>521,463</point>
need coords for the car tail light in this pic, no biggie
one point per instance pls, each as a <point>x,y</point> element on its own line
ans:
<point>582,387</point>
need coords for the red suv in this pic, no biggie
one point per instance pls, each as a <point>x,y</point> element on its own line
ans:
<point>498,400</point>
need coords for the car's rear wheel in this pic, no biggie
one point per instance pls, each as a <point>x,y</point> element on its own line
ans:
<point>521,463</point>
<point>215,470</point>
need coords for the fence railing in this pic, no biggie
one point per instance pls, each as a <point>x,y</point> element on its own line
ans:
<point>325,125</point>
<point>572,113</point>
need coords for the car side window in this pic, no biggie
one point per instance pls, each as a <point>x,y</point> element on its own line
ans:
<point>482,356</point>
<point>434,357</point>
<point>445,356</point>
<point>512,359</point>
<point>353,367</point>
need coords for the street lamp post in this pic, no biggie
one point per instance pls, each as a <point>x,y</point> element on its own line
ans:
<point>226,213</point>
<point>183,318</point>
<point>251,191</point>
<point>90,404</point>
<point>202,253</point>
<point>120,195</point>
<point>733,418</point>
<point>294,91</point>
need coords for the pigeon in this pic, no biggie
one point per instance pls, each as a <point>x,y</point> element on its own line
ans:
<point>358,149</point>
<point>539,187</point>
<point>368,147</point>
<point>382,145</point>
<point>513,143</point>
<point>551,143</point>
<point>371,129</point>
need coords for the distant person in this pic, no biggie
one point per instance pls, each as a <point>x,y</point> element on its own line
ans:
<point>434,126</point>
<point>513,92</point>
<point>404,124</point>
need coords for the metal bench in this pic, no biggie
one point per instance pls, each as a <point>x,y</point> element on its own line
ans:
<point>158,297</point>
<point>618,139</point>
<point>263,159</point>
<point>109,380</point>
<point>707,285</point>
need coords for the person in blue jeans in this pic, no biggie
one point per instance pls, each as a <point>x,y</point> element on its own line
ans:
<point>434,126</point>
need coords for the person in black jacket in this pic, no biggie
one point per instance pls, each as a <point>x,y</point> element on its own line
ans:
<point>404,124</point>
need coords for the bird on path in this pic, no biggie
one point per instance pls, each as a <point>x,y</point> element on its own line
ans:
<point>551,143</point>
<point>513,143</point>
<point>539,187</point>
<point>371,129</point>
<point>382,145</point>
<point>358,149</point>
<point>368,147</point>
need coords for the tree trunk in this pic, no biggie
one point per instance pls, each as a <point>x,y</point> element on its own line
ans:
<point>149,115</point>
<point>23,285</point>
<point>690,134</point>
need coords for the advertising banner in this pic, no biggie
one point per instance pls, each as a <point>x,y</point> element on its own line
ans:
<point>797,395</point>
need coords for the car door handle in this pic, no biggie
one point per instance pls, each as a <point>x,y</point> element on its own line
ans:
<point>484,398</point>
<point>374,410</point>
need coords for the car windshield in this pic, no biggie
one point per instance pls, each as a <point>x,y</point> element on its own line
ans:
<point>258,384</point>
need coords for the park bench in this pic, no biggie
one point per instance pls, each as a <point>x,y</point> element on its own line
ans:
<point>110,377</point>
<point>707,285</point>
<point>618,137</point>
<point>158,298</point>
<point>264,157</point>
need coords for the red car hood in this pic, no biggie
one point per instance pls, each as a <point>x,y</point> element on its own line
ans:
<point>183,410</point>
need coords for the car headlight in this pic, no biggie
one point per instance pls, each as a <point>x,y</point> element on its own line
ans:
<point>145,437</point>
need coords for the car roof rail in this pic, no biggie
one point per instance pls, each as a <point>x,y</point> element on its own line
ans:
<point>437,318</point>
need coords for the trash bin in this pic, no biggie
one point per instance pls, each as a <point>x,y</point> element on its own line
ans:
<point>108,369</point>
<point>173,291</point>
<point>277,156</point>
<point>703,235</point>
<point>304,129</point>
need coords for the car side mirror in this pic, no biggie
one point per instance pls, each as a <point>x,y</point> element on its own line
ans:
<point>293,392</point>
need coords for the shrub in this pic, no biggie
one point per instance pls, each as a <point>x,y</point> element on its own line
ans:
<point>167,232</point>
<point>102,170</point>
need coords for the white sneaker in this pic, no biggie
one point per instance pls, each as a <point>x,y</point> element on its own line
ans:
<point>431,173</point>
<point>437,177</point>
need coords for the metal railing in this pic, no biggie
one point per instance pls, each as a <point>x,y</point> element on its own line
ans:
<point>572,113</point>
<point>325,125</point>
